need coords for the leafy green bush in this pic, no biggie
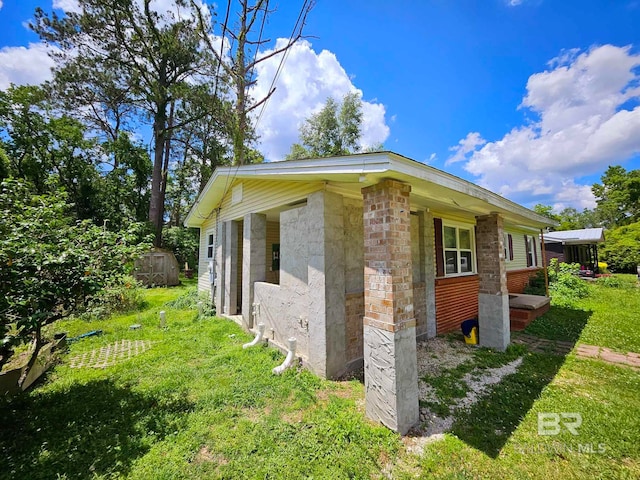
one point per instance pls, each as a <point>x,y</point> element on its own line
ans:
<point>122,294</point>
<point>616,281</point>
<point>183,242</point>
<point>621,250</point>
<point>190,300</point>
<point>51,266</point>
<point>565,286</point>
<point>536,285</point>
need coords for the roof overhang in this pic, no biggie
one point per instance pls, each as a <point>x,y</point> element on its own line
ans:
<point>586,236</point>
<point>430,188</point>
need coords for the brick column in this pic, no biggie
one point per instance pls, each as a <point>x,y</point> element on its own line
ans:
<point>254,261</point>
<point>390,362</point>
<point>493,296</point>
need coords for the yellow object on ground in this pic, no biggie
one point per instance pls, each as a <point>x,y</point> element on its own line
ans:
<point>472,339</point>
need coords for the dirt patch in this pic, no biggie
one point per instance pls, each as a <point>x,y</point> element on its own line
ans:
<point>204,455</point>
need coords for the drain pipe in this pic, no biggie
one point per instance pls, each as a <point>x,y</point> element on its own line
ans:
<point>289,360</point>
<point>256,340</point>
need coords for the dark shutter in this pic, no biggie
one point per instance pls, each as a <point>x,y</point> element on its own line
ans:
<point>535,250</point>
<point>437,227</point>
<point>526,246</point>
<point>510,238</point>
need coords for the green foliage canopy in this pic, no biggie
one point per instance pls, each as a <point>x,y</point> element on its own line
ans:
<point>621,250</point>
<point>334,130</point>
<point>50,265</point>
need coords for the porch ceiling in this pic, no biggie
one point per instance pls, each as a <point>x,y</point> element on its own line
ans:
<point>430,188</point>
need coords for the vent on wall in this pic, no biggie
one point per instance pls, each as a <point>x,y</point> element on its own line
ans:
<point>236,194</point>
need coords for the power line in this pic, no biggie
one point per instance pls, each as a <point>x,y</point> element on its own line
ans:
<point>283,59</point>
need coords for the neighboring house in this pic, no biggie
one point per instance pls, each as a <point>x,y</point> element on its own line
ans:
<point>575,246</point>
<point>357,257</point>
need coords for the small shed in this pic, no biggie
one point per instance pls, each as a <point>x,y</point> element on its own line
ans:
<point>575,246</point>
<point>158,268</point>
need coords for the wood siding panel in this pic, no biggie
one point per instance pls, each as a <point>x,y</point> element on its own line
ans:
<point>519,261</point>
<point>456,301</point>
<point>262,195</point>
<point>209,226</point>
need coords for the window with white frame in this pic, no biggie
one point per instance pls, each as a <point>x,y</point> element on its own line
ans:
<point>532,253</point>
<point>210,244</point>
<point>458,245</point>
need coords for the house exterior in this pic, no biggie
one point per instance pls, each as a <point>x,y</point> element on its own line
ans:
<point>359,256</point>
<point>575,246</point>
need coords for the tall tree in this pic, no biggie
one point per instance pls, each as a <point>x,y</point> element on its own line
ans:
<point>47,148</point>
<point>153,55</point>
<point>243,57</point>
<point>334,130</point>
<point>618,196</point>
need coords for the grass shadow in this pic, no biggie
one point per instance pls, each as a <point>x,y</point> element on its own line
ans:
<point>488,424</point>
<point>560,324</point>
<point>97,428</point>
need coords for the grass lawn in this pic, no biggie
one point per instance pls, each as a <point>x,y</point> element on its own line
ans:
<point>196,405</point>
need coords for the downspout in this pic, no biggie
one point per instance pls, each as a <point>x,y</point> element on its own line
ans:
<point>544,263</point>
<point>289,360</point>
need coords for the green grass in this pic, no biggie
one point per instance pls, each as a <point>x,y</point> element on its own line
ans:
<point>196,405</point>
<point>608,317</point>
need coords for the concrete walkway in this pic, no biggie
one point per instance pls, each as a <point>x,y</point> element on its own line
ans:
<point>556,347</point>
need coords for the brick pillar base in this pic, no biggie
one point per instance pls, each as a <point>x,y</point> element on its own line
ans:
<point>390,362</point>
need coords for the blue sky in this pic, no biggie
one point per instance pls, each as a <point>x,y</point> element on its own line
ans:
<point>532,99</point>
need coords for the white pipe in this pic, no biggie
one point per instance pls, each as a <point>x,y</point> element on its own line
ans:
<point>289,360</point>
<point>163,319</point>
<point>258,337</point>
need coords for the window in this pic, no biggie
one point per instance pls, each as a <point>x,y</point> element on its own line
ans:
<point>532,253</point>
<point>458,250</point>
<point>508,247</point>
<point>210,244</point>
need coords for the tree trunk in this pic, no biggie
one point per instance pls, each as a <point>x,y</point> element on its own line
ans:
<point>37,345</point>
<point>156,206</point>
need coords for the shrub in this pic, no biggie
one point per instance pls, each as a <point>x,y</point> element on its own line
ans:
<point>51,266</point>
<point>190,299</point>
<point>622,248</point>
<point>183,242</point>
<point>122,294</point>
<point>616,282</point>
<point>536,285</point>
<point>565,287</point>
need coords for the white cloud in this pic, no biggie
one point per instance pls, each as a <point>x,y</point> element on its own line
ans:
<point>25,65</point>
<point>587,117</point>
<point>305,82</point>
<point>66,5</point>
<point>514,3</point>
<point>0,3</point>
<point>468,144</point>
